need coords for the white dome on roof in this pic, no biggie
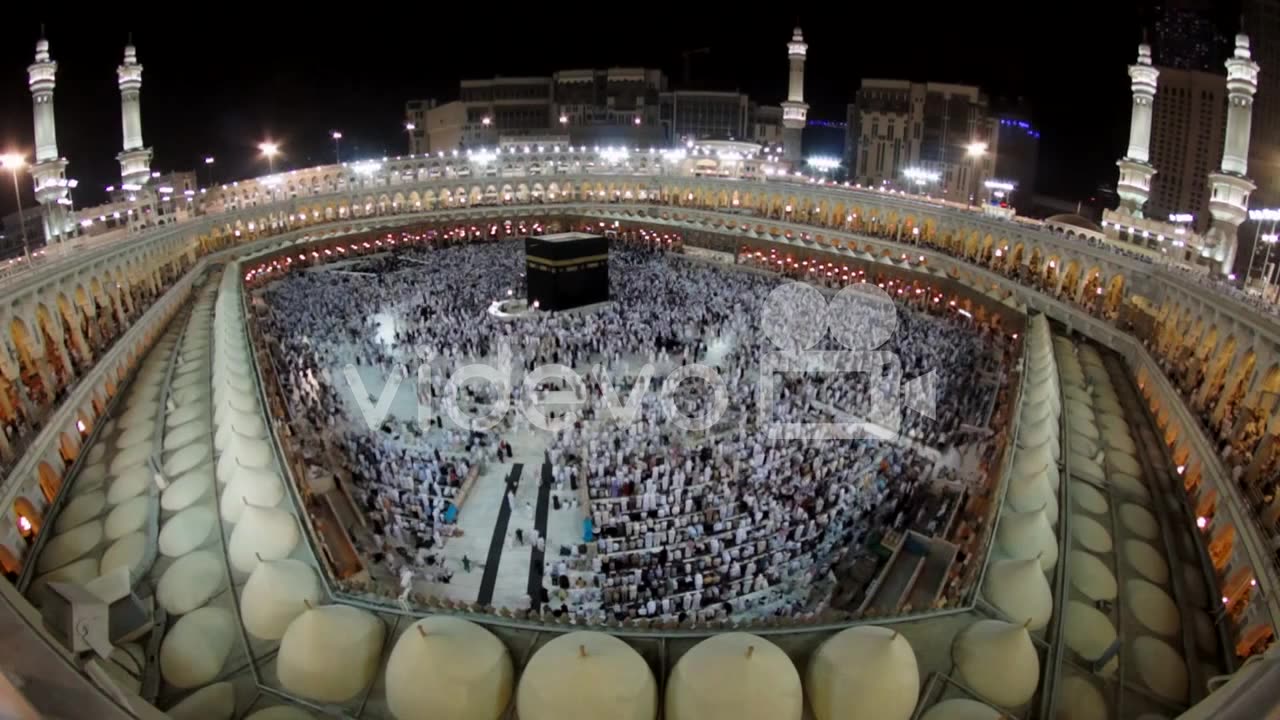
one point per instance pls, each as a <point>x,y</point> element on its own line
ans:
<point>184,414</point>
<point>190,582</point>
<point>1029,493</point>
<point>80,510</point>
<point>997,660</point>
<point>184,435</point>
<point>1019,589</point>
<point>248,424</point>
<point>1086,468</point>
<point>243,453</point>
<point>186,490</point>
<point>1081,700</point>
<point>262,488</point>
<point>139,411</point>
<point>587,675</point>
<point>1027,535</point>
<point>196,647</point>
<point>70,545</point>
<point>187,458</point>
<point>864,672</point>
<point>1083,426</point>
<point>127,552</point>
<point>330,654</point>
<point>1037,433</point>
<point>129,484</point>
<point>1131,486</point>
<point>1122,463</point>
<point>1161,668</point>
<point>1153,607</point>
<point>130,457</point>
<point>447,667</point>
<point>129,516</point>
<point>214,702</point>
<point>734,676</point>
<point>1121,443</point>
<point>138,431</point>
<point>90,476</point>
<point>1092,577</point>
<point>1089,633</point>
<point>1091,535</point>
<point>262,533</point>
<point>1147,561</point>
<point>1032,460</point>
<point>186,531</point>
<point>276,593</point>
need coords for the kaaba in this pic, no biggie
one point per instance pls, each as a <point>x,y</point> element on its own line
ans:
<point>567,270</point>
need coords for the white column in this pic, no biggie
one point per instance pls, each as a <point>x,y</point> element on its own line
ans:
<point>49,172</point>
<point>1229,202</point>
<point>1135,167</point>
<point>795,111</point>
<point>135,160</point>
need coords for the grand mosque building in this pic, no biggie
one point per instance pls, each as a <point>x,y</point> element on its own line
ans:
<point>178,543</point>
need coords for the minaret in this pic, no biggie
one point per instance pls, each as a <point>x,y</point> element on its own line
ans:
<point>1135,167</point>
<point>49,172</point>
<point>1229,203</point>
<point>794,109</point>
<point>135,161</point>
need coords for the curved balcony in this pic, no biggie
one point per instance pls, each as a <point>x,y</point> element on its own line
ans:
<point>286,223</point>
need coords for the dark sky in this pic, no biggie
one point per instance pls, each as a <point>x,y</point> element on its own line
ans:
<point>219,81</point>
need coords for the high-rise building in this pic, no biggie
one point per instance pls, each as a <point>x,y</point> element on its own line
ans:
<point>1185,36</point>
<point>897,124</point>
<point>1187,131</point>
<point>1262,23</point>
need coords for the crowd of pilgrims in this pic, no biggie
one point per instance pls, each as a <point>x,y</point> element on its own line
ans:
<point>703,522</point>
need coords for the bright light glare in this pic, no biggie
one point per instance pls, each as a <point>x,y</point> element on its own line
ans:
<point>921,175</point>
<point>823,162</point>
<point>13,161</point>
<point>976,148</point>
<point>269,149</point>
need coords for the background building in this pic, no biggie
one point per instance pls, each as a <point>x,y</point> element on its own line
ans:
<point>617,105</point>
<point>1019,142</point>
<point>894,125</point>
<point>415,114</point>
<point>1187,132</point>
<point>706,115</point>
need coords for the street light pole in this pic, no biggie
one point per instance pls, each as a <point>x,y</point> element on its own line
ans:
<point>409,128</point>
<point>13,163</point>
<point>337,147</point>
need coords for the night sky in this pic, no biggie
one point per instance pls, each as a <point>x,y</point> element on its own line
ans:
<point>219,80</point>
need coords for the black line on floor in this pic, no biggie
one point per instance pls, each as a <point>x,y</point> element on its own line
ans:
<point>541,512</point>
<point>490,578</point>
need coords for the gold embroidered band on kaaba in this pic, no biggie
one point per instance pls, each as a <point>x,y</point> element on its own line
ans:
<point>547,262</point>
